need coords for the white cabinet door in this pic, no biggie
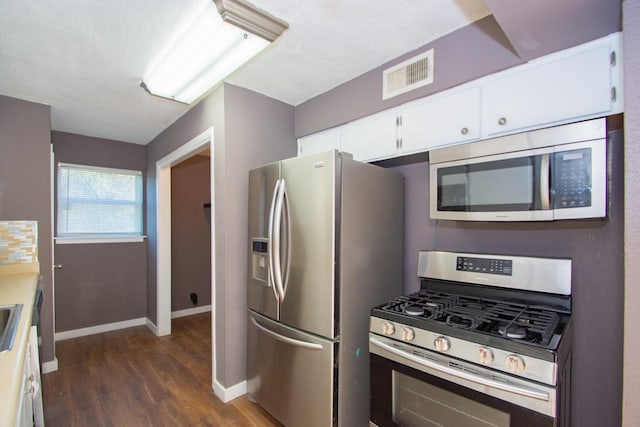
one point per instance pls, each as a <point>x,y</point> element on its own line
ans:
<point>550,92</point>
<point>24,416</point>
<point>450,118</point>
<point>35,378</point>
<point>319,142</point>
<point>373,137</point>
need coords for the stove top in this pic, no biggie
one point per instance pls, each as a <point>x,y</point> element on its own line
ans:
<point>506,313</point>
<point>463,316</point>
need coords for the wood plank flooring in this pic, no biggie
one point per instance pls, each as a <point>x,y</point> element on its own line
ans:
<point>133,378</point>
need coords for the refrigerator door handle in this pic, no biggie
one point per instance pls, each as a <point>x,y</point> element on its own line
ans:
<point>270,240</point>
<point>277,243</point>
<point>292,341</point>
<point>287,221</point>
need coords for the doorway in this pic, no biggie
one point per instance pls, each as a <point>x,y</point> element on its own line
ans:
<point>196,145</point>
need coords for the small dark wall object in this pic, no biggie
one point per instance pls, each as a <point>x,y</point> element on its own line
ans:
<point>194,298</point>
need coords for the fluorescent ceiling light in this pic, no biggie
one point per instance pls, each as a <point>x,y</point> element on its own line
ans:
<point>215,45</point>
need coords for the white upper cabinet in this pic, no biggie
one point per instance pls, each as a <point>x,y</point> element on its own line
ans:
<point>373,137</point>
<point>443,119</point>
<point>577,85</point>
<point>320,141</point>
<point>580,83</point>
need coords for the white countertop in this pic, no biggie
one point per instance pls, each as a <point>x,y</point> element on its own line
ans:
<point>18,284</point>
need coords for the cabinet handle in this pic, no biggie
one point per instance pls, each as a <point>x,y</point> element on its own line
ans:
<point>502,121</point>
<point>464,131</point>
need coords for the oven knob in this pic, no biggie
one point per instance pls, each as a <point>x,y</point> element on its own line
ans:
<point>442,344</point>
<point>388,328</point>
<point>484,356</point>
<point>408,334</point>
<point>515,364</point>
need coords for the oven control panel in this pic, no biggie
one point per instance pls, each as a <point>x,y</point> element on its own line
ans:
<point>503,267</point>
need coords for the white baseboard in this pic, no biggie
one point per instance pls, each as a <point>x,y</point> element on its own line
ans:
<point>228,394</point>
<point>50,366</point>
<point>190,311</point>
<point>92,330</point>
<point>152,326</point>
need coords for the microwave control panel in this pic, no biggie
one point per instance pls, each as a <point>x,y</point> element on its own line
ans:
<point>572,179</point>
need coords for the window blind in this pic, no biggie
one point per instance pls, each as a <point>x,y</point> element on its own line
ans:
<point>95,201</point>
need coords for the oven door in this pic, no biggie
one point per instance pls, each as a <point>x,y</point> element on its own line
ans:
<point>411,387</point>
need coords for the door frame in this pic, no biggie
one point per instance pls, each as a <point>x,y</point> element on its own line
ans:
<point>163,225</point>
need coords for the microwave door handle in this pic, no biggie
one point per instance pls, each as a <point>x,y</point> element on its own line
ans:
<point>512,388</point>
<point>270,242</point>
<point>545,200</point>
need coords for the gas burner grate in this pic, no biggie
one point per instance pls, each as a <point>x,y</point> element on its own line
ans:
<point>512,321</point>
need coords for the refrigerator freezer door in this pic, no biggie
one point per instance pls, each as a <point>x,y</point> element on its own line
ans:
<point>291,373</point>
<point>260,289</point>
<point>309,302</point>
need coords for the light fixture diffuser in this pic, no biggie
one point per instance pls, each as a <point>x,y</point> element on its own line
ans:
<point>226,35</point>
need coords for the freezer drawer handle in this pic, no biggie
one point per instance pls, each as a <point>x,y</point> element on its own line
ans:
<point>512,388</point>
<point>309,345</point>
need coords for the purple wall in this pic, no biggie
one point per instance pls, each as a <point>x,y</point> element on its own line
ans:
<point>541,27</point>
<point>25,189</point>
<point>190,233</point>
<point>464,55</point>
<point>597,250</point>
<point>631,411</point>
<point>106,282</point>
<point>249,130</point>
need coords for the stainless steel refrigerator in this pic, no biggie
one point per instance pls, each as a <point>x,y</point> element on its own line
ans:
<point>326,244</point>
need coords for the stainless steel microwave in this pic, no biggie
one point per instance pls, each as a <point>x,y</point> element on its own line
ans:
<point>543,175</point>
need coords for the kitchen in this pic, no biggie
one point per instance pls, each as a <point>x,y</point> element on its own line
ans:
<point>444,235</point>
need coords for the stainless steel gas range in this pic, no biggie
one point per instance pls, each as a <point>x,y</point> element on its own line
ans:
<point>486,341</point>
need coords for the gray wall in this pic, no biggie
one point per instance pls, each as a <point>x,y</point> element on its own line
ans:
<point>631,22</point>
<point>25,188</point>
<point>190,232</point>
<point>106,282</point>
<point>249,130</point>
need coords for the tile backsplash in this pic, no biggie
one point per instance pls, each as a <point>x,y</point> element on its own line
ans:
<point>18,242</point>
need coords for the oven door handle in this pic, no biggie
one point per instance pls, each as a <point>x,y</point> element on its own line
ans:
<point>525,391</point>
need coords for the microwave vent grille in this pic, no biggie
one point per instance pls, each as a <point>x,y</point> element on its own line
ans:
<point>408,75</point>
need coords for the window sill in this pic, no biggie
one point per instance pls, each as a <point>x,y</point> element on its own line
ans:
<point>98,239</point>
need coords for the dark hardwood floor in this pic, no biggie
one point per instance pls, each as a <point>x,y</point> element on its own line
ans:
<point>133,378</point>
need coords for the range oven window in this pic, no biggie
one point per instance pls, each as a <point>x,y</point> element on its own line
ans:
<point>419,404</point>
<point>500,185</point>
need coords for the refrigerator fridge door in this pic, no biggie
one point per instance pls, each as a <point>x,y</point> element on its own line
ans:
<point>261,292</point>
<point>291,373</point>
<point>312,186</point>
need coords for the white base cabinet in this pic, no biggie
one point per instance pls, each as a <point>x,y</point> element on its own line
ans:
<point>30,408</point>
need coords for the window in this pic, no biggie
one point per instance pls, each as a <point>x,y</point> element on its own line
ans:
<point>98,202</point>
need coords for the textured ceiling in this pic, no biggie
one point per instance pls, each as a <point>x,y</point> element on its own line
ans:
<point>86,58</point>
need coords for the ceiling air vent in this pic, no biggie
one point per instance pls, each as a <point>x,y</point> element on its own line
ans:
<point>408,75</point>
